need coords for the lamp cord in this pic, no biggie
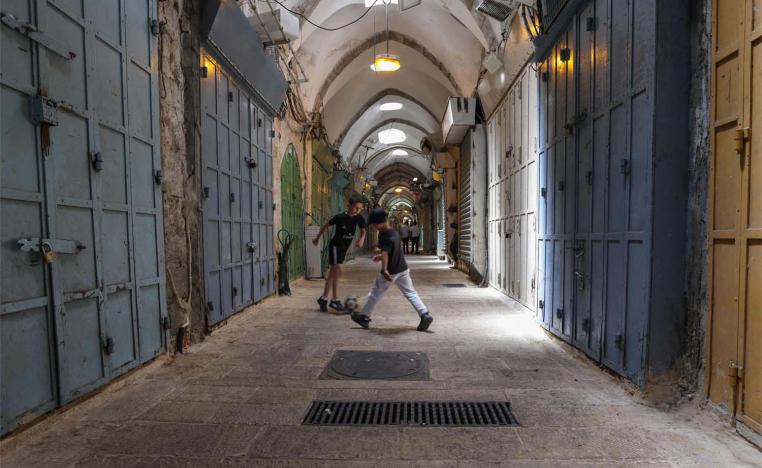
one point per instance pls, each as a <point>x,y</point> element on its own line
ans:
<point>322,27</point>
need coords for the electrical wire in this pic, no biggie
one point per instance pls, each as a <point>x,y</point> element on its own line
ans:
<point>323,27</point>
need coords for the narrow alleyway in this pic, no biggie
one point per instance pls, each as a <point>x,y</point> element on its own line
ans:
<point>239,397</point>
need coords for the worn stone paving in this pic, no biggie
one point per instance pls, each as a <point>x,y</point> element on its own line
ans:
<point>238,398</point>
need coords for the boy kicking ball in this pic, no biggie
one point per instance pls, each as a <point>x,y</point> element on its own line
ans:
<point>394,270</point>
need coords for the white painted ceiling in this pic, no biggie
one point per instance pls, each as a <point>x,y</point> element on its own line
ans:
<point>441,44</point>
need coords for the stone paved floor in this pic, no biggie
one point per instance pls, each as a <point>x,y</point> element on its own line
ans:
<point>238,398</point>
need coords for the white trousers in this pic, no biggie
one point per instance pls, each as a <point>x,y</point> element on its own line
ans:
<point>403,282</point>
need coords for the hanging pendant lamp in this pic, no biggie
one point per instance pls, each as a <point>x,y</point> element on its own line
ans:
<point>385,62</point>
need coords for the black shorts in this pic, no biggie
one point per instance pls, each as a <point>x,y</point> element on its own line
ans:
<point>337,254</point>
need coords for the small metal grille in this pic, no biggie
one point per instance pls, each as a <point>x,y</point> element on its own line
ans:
<point>453,285</point>
<point>499,11</point>
<point>410,413</point>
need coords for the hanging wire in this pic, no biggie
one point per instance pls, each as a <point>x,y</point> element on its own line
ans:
<point>367,10</point>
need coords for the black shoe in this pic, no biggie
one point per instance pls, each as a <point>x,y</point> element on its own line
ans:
<point>360,319</point>
<point>426,320</point>
<point>336,305</point>
<point>323,303</point>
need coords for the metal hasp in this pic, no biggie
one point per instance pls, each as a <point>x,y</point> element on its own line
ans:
<point>29,30</point>
<point>611,239</point>
<point>43,110</point>
<point>82,239</point>
<point>238,241</point>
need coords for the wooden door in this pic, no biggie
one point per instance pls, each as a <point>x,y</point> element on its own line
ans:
<point>734,379</point>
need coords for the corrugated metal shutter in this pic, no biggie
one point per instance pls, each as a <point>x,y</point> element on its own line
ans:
<point>464,203</point>
<point>84,182</point>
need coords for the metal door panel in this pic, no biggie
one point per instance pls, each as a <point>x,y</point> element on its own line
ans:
<point>614,332</point>
<point>214,296</point>
<point>121,321</point>
<point>151,302</point>
<point>82,360</point>
<point>725,321</point>
<point>227,287</point>
<point>92,291</point>
<point>595,282</point>
<point>618,160</point>
<point>636,309</point>
<point>640,164</point>
<point>752,381</point>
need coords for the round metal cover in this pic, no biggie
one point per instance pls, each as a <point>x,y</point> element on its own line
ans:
<point>378,365</point>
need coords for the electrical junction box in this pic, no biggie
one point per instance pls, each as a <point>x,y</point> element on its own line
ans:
<point>459,117</point>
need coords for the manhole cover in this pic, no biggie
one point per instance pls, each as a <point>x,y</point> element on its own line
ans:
<point>377,365</point>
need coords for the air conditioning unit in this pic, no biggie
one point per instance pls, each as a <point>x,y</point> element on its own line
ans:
<point>268,21</point>
<point>459,117</point>
<point>314,253</point>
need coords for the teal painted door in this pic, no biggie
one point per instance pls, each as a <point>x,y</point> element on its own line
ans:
<point>292,210</point>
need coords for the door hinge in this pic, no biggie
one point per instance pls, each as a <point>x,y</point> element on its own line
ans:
<point>261,281</point>
<point>624,166</point>
<point>29,30</point>
<point>619,341</point>
<point>541,304</point>
<point>165,323</point>
<point>210,306</point>
<point>586,325</point>
<point>741,137</point>
<point>204,72</point>
<point>560,314</point>
<point>155,27</point>
<point>97,161</point>
<point>735,371</point>
<point>235,291</point>
<point>589,177</point>
<point>158,177</point>
<point>206,192</point>
<point>108,345</point>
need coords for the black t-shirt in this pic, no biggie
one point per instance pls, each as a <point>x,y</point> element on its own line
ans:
<point>389,241</point>
<point>345,228</point>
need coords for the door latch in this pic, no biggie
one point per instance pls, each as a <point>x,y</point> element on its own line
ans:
<point>252,246</point>
<point>735,371</point>
<point>97,161</point>
<point>29,30</point>
<point>251,162</point>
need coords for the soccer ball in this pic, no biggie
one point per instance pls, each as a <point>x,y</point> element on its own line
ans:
<point>351,304</point>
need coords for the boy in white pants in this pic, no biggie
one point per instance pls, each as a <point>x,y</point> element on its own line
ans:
<point>394,270</point>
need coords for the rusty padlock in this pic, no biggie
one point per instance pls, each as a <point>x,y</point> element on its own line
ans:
<point>48,254</point>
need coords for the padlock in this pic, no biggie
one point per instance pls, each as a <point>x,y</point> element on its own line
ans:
<point>48,254</point>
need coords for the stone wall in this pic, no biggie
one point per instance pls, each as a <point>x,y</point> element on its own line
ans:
<point>180,154</point>
<point>696,248</point>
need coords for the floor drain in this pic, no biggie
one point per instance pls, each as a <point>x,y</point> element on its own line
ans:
<point>410,413</point>
<point>454,285</point>
<point>377,365</point>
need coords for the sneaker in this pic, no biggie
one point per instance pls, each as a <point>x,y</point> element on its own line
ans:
<point>323,303</point>
<point>426,320</point>
<point>336,305</point>
<point>360,319</point>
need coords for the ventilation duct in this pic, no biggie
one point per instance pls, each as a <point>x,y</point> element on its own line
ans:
<point>495,9</point>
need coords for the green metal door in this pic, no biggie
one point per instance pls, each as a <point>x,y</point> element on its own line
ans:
<point>291,202</point>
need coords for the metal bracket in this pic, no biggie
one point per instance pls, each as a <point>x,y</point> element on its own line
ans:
<point>252,246</point>
<point>35,244</point>
<point>165,323</point>
<point>29,30</point>
<point>158,177</point>
<point>251,162</point>
<point>155,27</point>
<point>206,192</point>
<point>541,304</point>
<point>624,166</point>
<point>43,110</point>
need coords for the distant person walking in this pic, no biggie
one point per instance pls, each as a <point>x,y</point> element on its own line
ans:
<point>405,234</point>
<point>415,236</point>
<point>394,270</point>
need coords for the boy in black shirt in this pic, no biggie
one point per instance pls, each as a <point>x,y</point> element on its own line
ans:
<point>346,224</point>
<point>393,270</point>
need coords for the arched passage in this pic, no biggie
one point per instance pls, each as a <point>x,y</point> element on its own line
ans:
<point>292,210</point>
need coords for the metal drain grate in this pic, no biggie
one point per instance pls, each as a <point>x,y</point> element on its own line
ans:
<point>410,413</point>
<point>454,285</point>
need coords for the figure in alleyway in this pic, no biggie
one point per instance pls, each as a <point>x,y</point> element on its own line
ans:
<point>394,270</point>
<point>346,225</point>
<point>415,237</point>
<point>405,233</point>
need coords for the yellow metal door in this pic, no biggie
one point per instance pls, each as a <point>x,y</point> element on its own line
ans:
<point>735,212</point>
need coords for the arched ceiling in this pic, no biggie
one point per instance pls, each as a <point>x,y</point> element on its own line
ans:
<point>441,44</point>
